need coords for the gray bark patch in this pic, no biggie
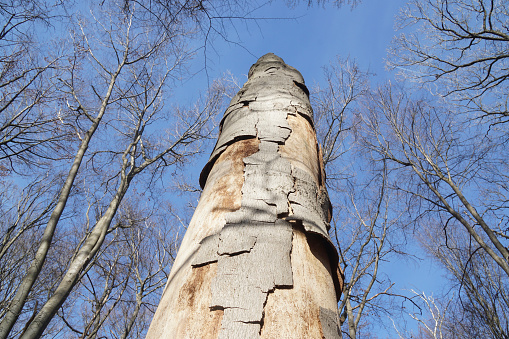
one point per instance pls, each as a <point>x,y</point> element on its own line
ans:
<point>269,95</point>
<point>208,251</point>
<point>233,329</point>
<point>329,320</point>
<point>237,238</point>
<point>243,280</point>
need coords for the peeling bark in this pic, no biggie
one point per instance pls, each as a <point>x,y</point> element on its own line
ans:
<point>262,222</point>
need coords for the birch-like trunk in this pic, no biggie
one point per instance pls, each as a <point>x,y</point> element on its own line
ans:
<point>257,260</point>
<point>18,302</point>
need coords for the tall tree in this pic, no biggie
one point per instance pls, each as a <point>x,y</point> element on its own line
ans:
<point>451,173</point>
<point>366,221</point>
<point>446,153</point>
<point>257,260</point>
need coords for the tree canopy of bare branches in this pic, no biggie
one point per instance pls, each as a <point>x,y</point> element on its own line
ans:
<point>450,171</point>
<point>441,146</point>
<point>451,147</point>
<point>461,48</point>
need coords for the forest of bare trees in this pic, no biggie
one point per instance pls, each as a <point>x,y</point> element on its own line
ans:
<point>434,142</point>
<point>93,134</point>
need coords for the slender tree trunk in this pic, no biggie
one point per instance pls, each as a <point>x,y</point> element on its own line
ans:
<point>16,305</point>
<point>35,268</point>
<point>256,260</point>
<point>133,316</point>
<point>78,264</point>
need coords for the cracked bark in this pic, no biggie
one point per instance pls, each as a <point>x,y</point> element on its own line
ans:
<point>257,260</point>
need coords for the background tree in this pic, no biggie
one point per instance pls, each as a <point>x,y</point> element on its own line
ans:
<point>443,149</point>
<point>480,303</point>
<point>449,173</point>
<point>365,222</point>
<point>27,129</point>
<point>453,147</point>
<point>118,295</point>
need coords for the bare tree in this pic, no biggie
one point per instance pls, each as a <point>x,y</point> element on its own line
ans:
<point>364,230</point>
<point>461,47</point>
<point>25,212</point>
<point>117,296</point>
<point>448,165</point>
<point>364,222</point>
<point>480,307</point>
<point>27,123</point>
<point>451,152</point>
<point>334,107</point>
<point>452,173</point>
<point>442,160</point>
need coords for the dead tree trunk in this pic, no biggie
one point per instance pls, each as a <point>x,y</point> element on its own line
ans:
<point>256,260</point>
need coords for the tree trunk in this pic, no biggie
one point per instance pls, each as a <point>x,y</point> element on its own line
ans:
<point>18,302</point>
<point>256,260</point>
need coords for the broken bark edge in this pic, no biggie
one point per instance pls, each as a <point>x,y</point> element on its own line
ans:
<point>329,322</point>
<point>337,275</point>
<point>210,163</point>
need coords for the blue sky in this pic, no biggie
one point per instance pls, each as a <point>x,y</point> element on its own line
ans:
<point>310,37</point>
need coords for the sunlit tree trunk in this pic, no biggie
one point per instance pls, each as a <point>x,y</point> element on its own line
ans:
<point>257,260</point>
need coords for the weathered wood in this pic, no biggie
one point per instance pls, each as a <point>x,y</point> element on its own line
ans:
<point>257,251</point>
